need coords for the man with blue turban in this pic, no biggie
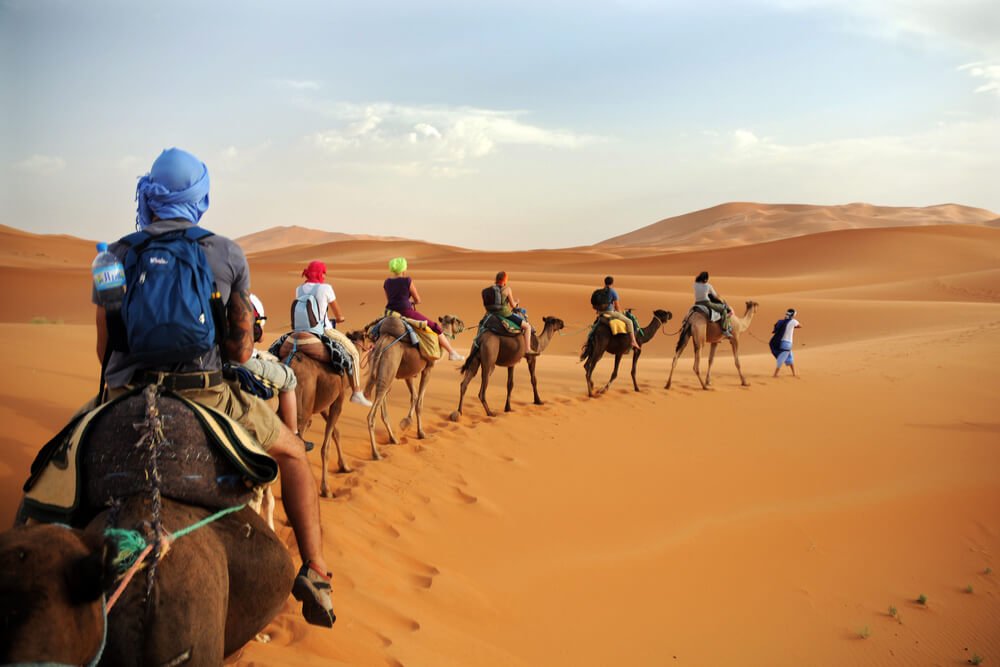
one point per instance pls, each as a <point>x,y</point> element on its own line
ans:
<point>174,196</point>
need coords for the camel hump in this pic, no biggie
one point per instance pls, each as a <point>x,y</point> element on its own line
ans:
<point>392,326</point>
<point>193,467</point>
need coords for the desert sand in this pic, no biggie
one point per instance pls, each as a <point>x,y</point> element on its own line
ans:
<point>774,524</point>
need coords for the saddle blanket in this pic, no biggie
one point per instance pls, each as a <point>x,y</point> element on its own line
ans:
<point>418,333</point>
<point>68,473</point>
<point>616,326</point>
<point>330,352</point>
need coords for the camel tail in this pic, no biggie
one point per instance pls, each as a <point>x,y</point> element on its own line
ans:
<point>373,359</point>
<point>683,338</point>
<point>587,348</point>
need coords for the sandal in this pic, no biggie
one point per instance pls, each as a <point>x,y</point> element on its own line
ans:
<point>312,589</point>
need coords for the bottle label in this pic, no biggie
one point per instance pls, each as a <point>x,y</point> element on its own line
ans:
<point>109,277</point>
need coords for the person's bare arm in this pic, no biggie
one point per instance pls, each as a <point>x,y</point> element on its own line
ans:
<point>335,309</point>
<point>414,295</point>
<point>514,303</point>
<point>102,333</point>
<point>238,345</point>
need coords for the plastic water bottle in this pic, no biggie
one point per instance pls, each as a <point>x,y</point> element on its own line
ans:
<point>109,278</point>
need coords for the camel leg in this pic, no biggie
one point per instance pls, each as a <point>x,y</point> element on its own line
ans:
<point>470,373</point>
<point>697,364</point>
<point>736,358</point>
<point>378,404</point>
<point>510,387</point>
<point>425,377</point>
<point>486,372</point>
<point>673,365</point>
<point>385,421</point>
<point>532,360</point>
<point>408,419</point>
<point>590,365</point>
<point>711,360</point>
<point>614,374</point>
<point>635,362</point>
<point>332,415</point>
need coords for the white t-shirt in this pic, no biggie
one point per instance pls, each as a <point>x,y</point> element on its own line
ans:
<point>702,290</point>
<point>789,330</point>
<point>323,293</point>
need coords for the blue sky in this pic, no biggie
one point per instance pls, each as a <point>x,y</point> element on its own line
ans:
<point>495,124</point>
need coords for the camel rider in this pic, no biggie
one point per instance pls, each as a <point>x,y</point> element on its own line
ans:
<point>607,301</point>
<point>172,198</point>
<point>505,305</point>
<point>705,295</point>
<point>275,375</point>
<point>315,285</point>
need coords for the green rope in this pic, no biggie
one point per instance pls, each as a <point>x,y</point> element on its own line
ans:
<point>131,542</point>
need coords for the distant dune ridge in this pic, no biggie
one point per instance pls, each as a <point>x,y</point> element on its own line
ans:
<point>743,223</point>
<point>292,235</point>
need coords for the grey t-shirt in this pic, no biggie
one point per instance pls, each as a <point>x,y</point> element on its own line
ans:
<point>232,274</point>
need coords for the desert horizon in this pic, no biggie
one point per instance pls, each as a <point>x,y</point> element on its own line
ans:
<point>774,524</point>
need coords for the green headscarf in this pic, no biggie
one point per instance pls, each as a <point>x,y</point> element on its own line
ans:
<point>397,265</point>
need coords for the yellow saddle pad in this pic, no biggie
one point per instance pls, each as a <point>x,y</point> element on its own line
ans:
<point>617,326</point>
<point>429,346</point>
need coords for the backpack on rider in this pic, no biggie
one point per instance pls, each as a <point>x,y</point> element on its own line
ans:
<point>171,311</point>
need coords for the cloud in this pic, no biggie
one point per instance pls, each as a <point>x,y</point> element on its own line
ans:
<point>955,145</point>
<point>42,165</point>
<point>985,70</point>
<point>745,139</point>
<point>970,24</point>
<point>299,84</point>
<point>234,158</point>
<point>442,139</point>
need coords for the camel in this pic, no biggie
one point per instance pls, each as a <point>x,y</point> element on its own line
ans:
<point>697,327</point>
<point>393,358</point>
<point>505,351</point>
<point>602,341</point>
<point>320,390</point>
<point>198,601</point>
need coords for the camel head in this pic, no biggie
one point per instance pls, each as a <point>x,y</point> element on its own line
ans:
<point>451,325</point>
<point>553,323</point>
<point>662,315</point>
<point>752,306</point>
<point>51,579</point>
<point>360,340</point>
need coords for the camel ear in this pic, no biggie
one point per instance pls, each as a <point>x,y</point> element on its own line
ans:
<point>441,320</point>
<point>90,576</point>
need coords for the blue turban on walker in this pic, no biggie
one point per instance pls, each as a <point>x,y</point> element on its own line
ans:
<point>175,187</point>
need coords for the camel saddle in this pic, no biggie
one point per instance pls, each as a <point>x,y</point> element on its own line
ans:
<point>498,324</point>
<point>205,458</point>
<point>617,327</point>
<point>320,347</point>
<point>712,315</point>
<point>415,332</point>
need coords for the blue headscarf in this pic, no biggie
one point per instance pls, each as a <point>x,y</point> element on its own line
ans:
<point>175,187</point>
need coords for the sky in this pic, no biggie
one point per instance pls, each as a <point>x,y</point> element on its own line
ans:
<point>506,125</point>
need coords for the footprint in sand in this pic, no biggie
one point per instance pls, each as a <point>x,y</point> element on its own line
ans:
<point>465,497</point>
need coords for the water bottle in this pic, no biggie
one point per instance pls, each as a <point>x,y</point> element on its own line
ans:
<point>109,278</point>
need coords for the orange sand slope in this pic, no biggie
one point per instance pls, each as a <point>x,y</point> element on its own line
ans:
<point>768,525</point>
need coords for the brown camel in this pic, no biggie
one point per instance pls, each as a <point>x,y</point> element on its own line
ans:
<point>320,390</point>
<point>602,341</point>
<point>697,327</point>
<point>196,603</point>
<point>392,357</point>
<point>505,351</point>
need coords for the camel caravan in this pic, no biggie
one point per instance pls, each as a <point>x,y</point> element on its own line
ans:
<point>137,537</point>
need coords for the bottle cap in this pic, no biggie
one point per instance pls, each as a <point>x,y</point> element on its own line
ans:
<point>102,246</point>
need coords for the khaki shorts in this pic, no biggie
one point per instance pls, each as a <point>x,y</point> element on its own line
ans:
<point>275,373</point>
<point>250,412</point>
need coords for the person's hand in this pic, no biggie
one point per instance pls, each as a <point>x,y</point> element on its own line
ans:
<point>341,319</point>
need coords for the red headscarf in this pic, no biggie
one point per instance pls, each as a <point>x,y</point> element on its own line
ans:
<point>315,272</point>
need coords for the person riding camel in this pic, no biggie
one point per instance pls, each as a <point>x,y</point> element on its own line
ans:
<point>171,200</point>
<point>326,302</point>
<point>705,295</point>
<point>502,302</point>
<point>606,301</point>
<point>402,297</point>
<point>275,376</point>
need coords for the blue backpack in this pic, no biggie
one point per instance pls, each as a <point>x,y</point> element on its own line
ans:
<point>169,287</point>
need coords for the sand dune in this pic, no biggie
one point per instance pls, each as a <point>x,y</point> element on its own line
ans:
<point>291,235</point>
<point>768,525</point>
<point>743,223</point>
